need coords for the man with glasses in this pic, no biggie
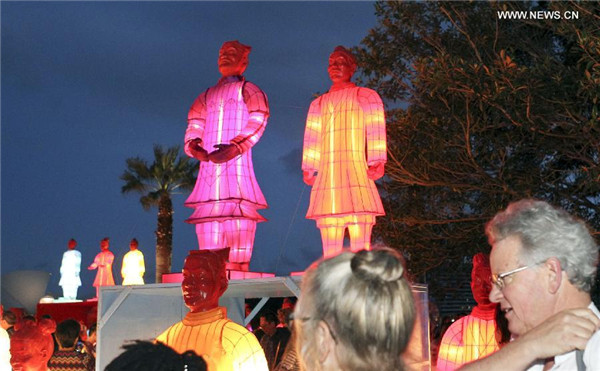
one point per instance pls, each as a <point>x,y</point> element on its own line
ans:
<point>543,264</point>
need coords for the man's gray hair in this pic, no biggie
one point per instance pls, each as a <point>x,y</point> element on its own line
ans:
<point>546,231</point>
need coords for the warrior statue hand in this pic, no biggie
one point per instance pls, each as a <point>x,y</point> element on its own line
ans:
<point>224,153</point>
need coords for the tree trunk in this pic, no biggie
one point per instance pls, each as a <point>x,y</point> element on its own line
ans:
<point>164,237</point>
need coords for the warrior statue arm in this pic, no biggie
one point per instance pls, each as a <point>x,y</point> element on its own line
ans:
<point>195,130</point>
<point>375,132</point>
<point>311,154</point>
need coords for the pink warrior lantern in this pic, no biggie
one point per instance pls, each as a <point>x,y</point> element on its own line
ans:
<point>133,267</point>
<point>474,336</point>
<point>224,123</point>
<point>344,152</point>
<point>103,262</point>
<point>69,271</point>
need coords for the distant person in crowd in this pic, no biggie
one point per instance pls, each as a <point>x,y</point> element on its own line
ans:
<point>543,266</point>
<point>473,336</point>
<point>90,342</point>
<point>206,330</point>
<point>356,312</point>
<point>133,267</point>
<point>147,356</point>
<point>103,262</point>
<point>274,339</point>
<point>8,321</point>
<point>67,357</point>
<point>32,345</point>
<point>69,271</point>
<point>4,345</point>
<point>283,314</point>
<point>289,360</point>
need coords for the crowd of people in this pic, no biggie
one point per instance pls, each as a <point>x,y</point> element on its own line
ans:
<point>356,310</point>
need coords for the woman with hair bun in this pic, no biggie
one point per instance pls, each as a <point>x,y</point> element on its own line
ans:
<point>356,312</point>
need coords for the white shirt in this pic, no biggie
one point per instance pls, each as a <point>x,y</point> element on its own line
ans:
<point>4,351</point>
<point>568,362</point>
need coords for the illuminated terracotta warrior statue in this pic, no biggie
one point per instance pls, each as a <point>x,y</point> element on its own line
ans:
<point>69,271</point>
<point>32,345</point>
<point>103,262</point>
<point>223,344</point>
<point>344,152</point>
<point>133,267</point>
<point>473,336</point>
<point>224,123</point>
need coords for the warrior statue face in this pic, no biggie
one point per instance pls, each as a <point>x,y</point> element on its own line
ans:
<point>233,58</point>
<point>341,65</point>
<point>72,244</point>
<point>480,279</point>
<point>104,244</point>
<point>204,279</point>
<point>133,245</point>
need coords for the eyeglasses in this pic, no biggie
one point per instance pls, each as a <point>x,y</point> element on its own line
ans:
<point>498,279</point>
<point>304,319</point>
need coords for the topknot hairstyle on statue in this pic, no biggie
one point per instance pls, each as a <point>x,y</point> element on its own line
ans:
<point>366,300</point>
<point>147,356</point>
<point>546,231</point>
<point>345,53</point>
<point>245,49</point>
<point>216,258</point>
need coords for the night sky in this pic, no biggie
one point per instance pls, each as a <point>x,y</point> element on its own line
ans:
<point>86,85</point>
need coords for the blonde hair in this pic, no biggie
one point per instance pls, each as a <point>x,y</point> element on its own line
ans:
<point>366,301</point>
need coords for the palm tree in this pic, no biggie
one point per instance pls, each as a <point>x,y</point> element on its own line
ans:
<point>156,183</point>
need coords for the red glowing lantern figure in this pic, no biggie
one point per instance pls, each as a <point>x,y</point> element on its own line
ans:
<point>473,336</point>
<point>344,152</point>
<point>103,262</point>
<point>229,119</point>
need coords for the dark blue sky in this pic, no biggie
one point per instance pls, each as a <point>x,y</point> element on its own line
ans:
<point>86,85</point>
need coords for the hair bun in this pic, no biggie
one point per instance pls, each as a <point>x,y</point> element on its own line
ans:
<point>382,264</point>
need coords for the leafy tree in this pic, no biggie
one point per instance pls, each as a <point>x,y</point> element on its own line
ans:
<point>482,111</point>
<point>156,182</point>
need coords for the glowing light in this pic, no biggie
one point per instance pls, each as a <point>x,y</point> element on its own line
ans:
<point>133,268</point>
<point>226,196</point>
<point>69,274</point>
<point>224,344</point>
<point>466,340</point>
<point>345,134</point>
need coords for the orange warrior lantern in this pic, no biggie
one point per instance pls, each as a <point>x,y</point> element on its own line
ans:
<point>133,267</point>
<point>473,336</point>
<point>344,153</point>
<point>103,262</point>
<point>224,345</point>
<point>227,119</point>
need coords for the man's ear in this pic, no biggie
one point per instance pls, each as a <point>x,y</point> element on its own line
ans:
<point>554,274</point>
<point>325,343</point>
